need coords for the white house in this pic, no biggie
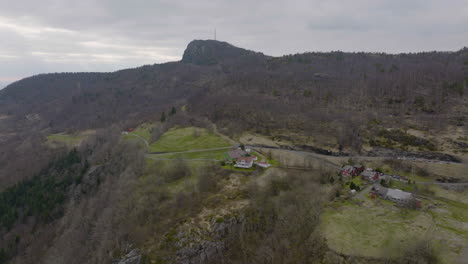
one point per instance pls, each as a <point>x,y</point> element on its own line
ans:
<point>245,162</point>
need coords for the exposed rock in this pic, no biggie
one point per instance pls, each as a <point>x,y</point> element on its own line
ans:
<point>209,52</point>
<point>204,249</point>
<point>133,257</point>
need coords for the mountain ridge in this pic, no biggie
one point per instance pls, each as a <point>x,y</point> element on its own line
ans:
<point>218,74</point>
<point>210,52</point>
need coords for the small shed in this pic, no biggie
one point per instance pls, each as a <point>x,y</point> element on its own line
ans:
<point>263,164</point>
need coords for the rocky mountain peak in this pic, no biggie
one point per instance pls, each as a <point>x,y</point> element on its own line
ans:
<point>209,52</point>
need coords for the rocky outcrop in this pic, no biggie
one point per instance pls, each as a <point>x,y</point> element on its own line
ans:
<point>209,52</point>
<point>133,257</point>
<point>210,245</point>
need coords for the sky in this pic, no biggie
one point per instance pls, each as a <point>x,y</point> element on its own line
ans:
<point>107,35</point>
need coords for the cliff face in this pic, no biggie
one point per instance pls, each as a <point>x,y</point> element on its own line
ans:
<point>209,52</point>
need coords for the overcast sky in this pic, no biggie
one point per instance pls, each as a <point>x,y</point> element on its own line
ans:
<point>107,35</point>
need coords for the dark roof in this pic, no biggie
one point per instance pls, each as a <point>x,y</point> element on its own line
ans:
<point>236,153</point>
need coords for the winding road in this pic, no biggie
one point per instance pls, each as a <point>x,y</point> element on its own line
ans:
<point>190,151</point>
<point>321,158</point>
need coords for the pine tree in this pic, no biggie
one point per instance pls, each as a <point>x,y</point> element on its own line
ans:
<point>173,111</point>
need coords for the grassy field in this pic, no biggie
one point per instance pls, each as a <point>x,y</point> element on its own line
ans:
<point>190,138</point>
<point>377,228</point>
<point>455,195</point>
<point>69,140</point>
<point>357,181</point>
<point>212,154</point>
<point>142,131</point>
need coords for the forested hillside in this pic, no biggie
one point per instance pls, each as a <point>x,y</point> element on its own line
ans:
<point>218,80</point>
<point>326,96</point>
<point>99,196</point>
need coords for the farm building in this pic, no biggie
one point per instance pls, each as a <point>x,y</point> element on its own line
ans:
<point>395,195</point>
<point>349,170</point>
<point>263,164</point>
<point>370,175</point>
<point>235,154</point>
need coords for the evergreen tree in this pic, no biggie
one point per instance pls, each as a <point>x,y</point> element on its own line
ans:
<point>163,116</point>
<point>3,256</point>
<point>173,111</point>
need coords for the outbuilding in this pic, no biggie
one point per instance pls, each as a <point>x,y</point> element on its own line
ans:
<point>263,164</point>
<point>370,175</point>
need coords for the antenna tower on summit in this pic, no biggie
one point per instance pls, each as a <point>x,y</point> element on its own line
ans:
<point>215,34</point>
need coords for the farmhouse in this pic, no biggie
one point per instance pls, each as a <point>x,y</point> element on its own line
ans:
<point>242,159</point>
<point>245,162</point>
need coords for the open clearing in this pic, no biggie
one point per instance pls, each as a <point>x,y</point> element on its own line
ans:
<point>143,131</point>
<point>189,138</point>
<point>69,140</point>
<point>377,228</point>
